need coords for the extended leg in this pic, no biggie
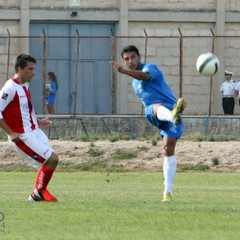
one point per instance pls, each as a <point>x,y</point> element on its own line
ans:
<point>173,116</point>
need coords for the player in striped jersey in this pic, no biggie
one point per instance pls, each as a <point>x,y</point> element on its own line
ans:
<point>18,120</point>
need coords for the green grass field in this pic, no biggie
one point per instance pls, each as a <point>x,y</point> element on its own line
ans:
<point>124,206</point>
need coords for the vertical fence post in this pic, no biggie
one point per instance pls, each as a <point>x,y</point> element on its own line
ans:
<point>180,64</point>
<point>76,76</point>
<point>44,63</point>
<point>8,57</point>
<point>146,43</point>
<point>145,56</point>
<point>113,73</point>
<point>211,84</point>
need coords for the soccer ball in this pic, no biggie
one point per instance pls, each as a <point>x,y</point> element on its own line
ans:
<point>207,64</point>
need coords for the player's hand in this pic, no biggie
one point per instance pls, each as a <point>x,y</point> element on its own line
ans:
<point>44,123</point>
<point>117,66</point>
<point>14,137</point>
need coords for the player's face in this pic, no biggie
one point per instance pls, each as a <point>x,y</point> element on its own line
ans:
<point>131,60</point>
<point>26,74</point>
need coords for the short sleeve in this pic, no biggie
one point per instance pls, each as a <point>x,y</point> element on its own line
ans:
<point>6,96</point>
<point>153,70</point>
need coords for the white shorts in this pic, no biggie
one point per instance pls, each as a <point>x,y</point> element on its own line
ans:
<point>34,147</point>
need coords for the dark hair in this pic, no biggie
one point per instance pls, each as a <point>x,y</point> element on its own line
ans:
<point>130,48</point>
<point>53,77</point>
<point>22,60</point>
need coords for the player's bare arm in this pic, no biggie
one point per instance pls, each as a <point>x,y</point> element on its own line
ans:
<point>137,74</point>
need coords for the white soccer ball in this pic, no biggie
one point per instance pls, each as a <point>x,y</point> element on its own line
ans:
<point>207,64</point>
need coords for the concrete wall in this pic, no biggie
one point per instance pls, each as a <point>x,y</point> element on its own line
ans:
<point>161,21</point>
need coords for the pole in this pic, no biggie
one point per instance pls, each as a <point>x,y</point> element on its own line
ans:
<point>76,76</point>
<point>211,79</point>
<point>145,57</point>
<point>8,57</point>
<point>44,63</point>
<point>180,64</point>
<point>113,73</point>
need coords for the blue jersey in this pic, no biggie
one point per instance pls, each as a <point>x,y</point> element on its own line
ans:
<point>156,89</point>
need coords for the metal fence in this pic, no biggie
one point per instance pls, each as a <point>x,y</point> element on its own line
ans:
<point>135,127</point>
<point>181,53</point>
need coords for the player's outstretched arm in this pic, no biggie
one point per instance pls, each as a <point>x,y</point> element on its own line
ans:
<point>137,74</point>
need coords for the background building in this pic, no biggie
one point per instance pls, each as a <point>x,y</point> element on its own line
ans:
<point>76,39</point>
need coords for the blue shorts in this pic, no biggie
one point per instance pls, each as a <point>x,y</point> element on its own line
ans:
<point>168,129</point>
<point>50,98</point>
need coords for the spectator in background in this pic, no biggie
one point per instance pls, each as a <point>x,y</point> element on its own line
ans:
<point>51,88</point>
<point>227,89</point>
<point>236,93</point>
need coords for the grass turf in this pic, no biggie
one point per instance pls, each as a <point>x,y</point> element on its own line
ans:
<point>121,206</point>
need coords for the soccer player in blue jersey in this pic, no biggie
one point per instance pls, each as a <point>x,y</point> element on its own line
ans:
<point>161,107</point>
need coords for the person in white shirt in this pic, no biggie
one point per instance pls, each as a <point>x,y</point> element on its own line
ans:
<point>227,88</point>
<point>237,93</point>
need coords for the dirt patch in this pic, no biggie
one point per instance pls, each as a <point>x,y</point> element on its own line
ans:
<point>148,157</point>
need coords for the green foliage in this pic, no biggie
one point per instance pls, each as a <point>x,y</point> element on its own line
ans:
<point>123,154</point>
<point>126,138</point>
<point>11,167</point>
<point>93,166</point>
<point>94,152</point>
<point>86,138</point>
<point>154,142</point>
<point>73,154</point>
<point>98,166</point>
<point>142,148</point>
<point>113,138</point>
<point>155,139</point>
<point>193,167</point>
<point>211,138</point>
<point>215,161</point>
<point>63,163</point>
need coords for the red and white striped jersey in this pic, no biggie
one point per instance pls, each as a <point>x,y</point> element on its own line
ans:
<point>16,107</point>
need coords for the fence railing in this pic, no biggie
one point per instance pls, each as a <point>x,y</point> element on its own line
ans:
<point>145,39</point>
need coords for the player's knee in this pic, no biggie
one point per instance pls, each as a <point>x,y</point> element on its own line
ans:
<point>53,161</point>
